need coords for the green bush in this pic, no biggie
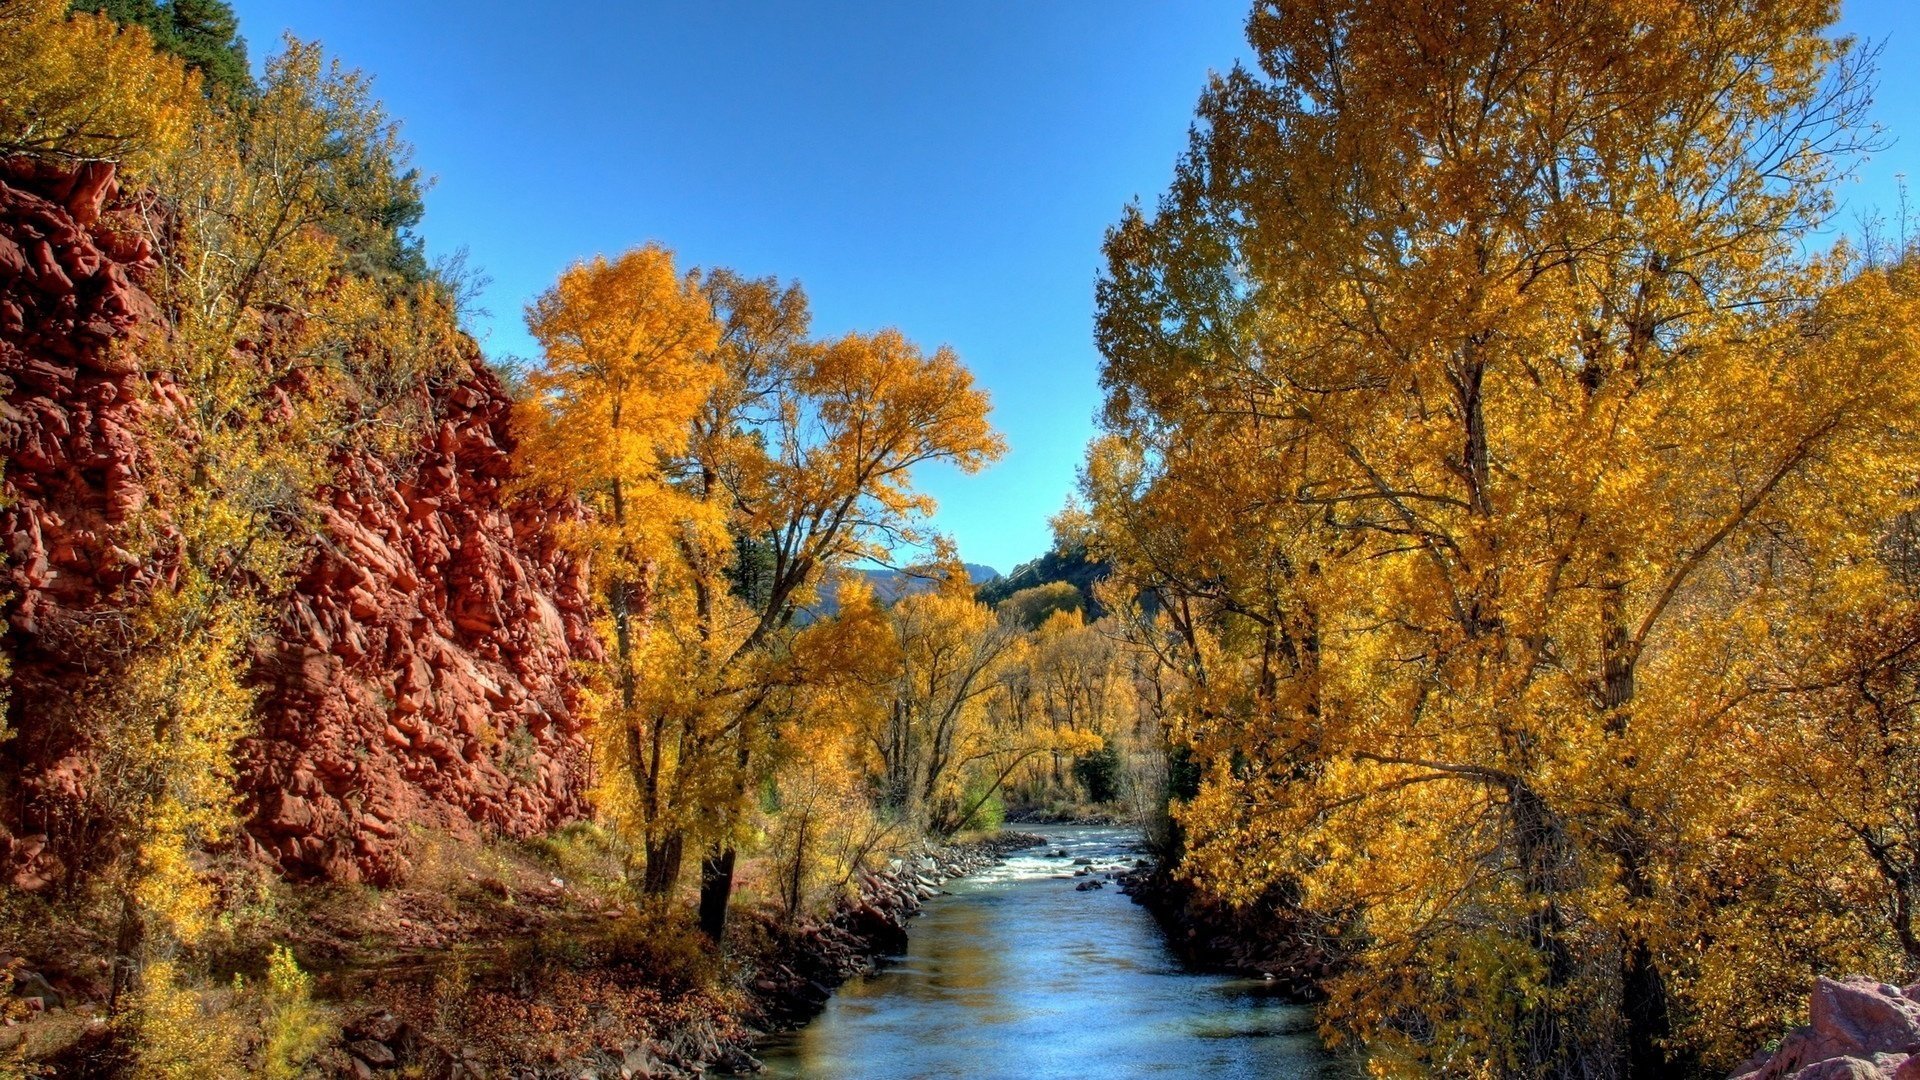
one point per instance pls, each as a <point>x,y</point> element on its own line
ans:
<point>1099,774</point>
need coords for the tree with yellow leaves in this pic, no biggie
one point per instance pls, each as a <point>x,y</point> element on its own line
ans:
<point>938,702</point>
<point>83,88</point>
<point>1480,427</point>
<point>626,370</point>
<point>945,651</point>
<point>820,476</point>
<point>732,462</point>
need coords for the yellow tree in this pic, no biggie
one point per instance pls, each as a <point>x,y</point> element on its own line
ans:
<point>1502,315</point>
<point>732,462</point>
<point>945,651</point>
<point>273,361</point>
<point>825,826</point>
<point>626,369</point>
<point>943,716</point>
<point>817,464</point>
<point>1072,666</point>
<point>83,88</point>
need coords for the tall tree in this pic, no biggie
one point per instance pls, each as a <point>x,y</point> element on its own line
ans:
<point>732,462</point>
<point>815,446</point>
<point>626,370</point>
<point>1503,314</point>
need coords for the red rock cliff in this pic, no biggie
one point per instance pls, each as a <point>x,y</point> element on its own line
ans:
<point>419,675</point>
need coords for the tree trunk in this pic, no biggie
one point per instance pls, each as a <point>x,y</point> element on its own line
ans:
<point>1540,837</point>
<point>663,864</point>
<point>798,877</point>
<point>716,890</point>
<point>1644,1002</point>
<point>1647,1010</point>
<point>1645,1005</point>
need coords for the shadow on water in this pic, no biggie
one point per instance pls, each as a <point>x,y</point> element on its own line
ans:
<point>1019,975</point>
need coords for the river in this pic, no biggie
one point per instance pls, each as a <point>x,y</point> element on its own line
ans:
<point>1017,974</point>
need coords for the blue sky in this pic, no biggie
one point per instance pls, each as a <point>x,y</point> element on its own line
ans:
<point>944,168</point>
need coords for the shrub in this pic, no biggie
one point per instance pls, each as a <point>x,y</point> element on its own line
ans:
<point>179,1033</point>
<point>296,1027</point>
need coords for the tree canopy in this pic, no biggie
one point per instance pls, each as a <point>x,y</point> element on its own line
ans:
<point>1489,440</point>
<point>204,33</point>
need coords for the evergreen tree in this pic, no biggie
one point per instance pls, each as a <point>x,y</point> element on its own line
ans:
<point>204,33</point>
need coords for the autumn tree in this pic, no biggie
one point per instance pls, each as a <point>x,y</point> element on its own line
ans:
<point>1479,422</point>
<point>945,649</point>
<point>820,473</point>
<point>54,101</point>
<point>272,354</point>
<point>625,371</point>
<point>942,713</point>
<point>825,825</point>
<point>754,460</point>
<point>1030,607</point>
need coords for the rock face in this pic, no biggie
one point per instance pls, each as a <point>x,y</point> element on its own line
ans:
<point>420,671</point>
<point>1857,1029</point>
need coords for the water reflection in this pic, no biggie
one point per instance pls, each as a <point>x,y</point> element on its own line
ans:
<point>1019,975</point>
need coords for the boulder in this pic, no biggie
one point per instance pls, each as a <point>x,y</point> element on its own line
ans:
<point>1864,1017</point>
<point>1858,1029</point>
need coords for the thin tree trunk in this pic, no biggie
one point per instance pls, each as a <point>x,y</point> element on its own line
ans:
<point>799,867</point>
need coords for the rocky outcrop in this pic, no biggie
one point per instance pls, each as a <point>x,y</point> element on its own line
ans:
<point>72,317</point>
<point>419,675</point>
<point>1857,1029</point>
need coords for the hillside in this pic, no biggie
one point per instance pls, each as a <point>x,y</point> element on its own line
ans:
<point>419,669</point>
<point>1070,565</point>
<point>888,585</point>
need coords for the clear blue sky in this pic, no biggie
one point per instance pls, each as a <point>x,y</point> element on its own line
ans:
<point>944,168</point>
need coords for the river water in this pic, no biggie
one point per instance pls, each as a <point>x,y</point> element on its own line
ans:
<point>1016,974</point>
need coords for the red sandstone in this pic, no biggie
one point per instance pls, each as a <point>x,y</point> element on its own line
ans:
<point>419,675</point>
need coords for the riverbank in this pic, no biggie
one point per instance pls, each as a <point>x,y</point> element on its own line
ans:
<point>522,961</point>
<point>640,998</point>
<point>811,958</point>
<point>1271,939</point>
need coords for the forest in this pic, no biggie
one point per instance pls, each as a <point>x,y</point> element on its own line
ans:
<point>1494,584</point>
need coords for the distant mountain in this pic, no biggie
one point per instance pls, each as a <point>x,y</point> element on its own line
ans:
<point>888,585</point>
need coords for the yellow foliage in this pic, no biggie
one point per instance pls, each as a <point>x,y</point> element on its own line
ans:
<point>626,368</point>
<point>1490,446</point>
<point>823,829</point>
<point>176,1036</point>
<point>280,347</point>
<point>82,86</point>
<point>295,1028</point>
<point>731,464</point>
